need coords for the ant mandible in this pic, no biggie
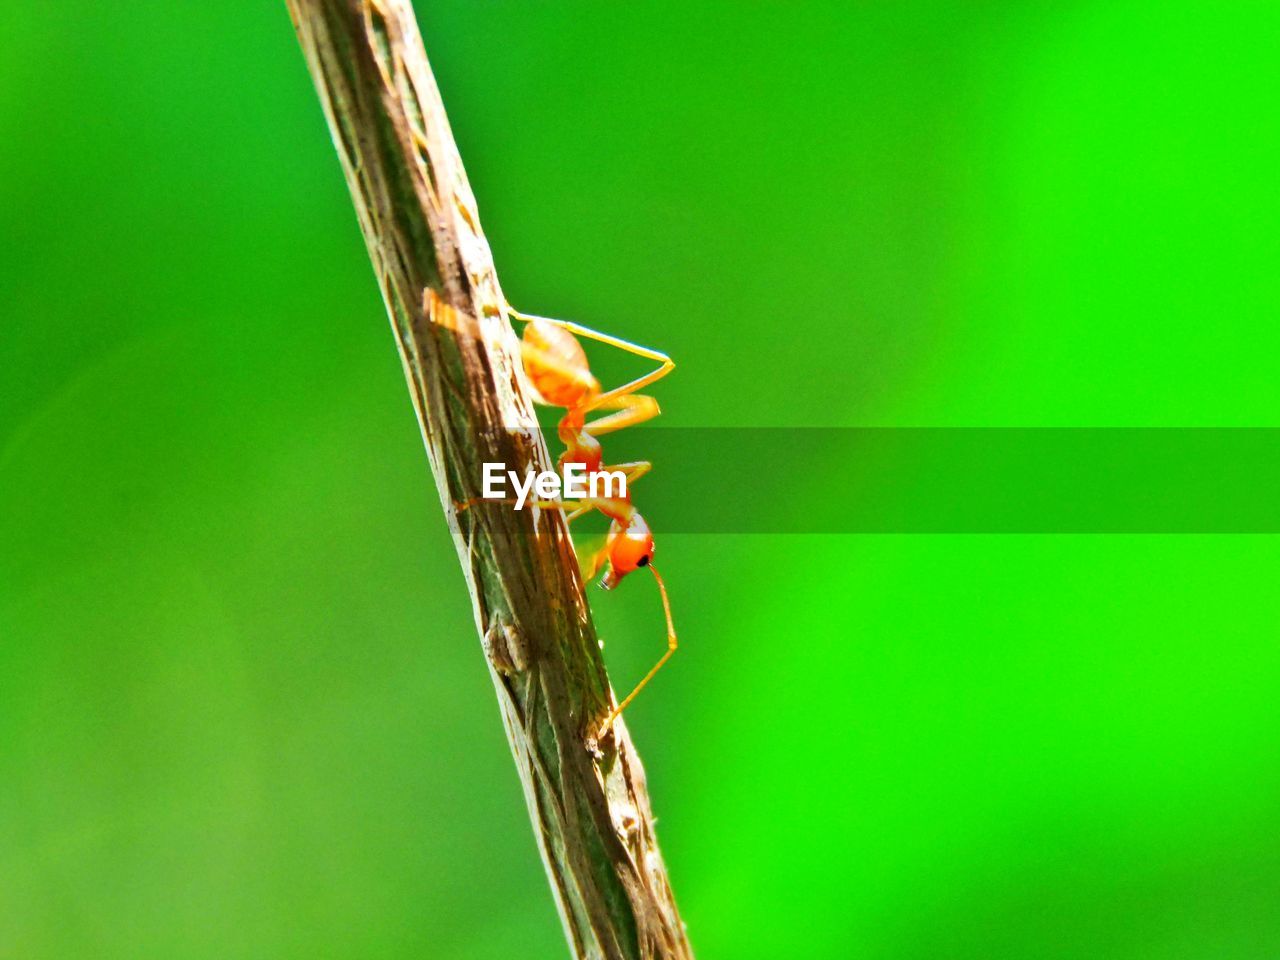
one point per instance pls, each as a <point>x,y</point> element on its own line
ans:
<point>558,370</point>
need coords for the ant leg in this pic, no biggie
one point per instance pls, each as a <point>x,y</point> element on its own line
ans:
<point>591,566</point>
<point>665,363</point>
<point>439,311</point>
<point>461,505</point>
<point>631,410</point>
<point>575,508</point>
<point>632,472</point>
<point>574,514</point>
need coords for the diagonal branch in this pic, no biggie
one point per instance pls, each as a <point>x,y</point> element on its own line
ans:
<point>588,802</point>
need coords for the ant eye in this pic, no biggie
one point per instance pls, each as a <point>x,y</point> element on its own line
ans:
<point>643,561</point>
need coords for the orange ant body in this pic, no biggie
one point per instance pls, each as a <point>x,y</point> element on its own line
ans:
<point>557,368</point>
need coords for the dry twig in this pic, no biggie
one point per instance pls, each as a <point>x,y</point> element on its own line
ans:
<point>588,802</point>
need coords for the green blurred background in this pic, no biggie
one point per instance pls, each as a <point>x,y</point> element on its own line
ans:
<point>242,709</point>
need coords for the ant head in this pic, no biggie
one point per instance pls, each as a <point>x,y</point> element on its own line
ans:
<point>630,548</point>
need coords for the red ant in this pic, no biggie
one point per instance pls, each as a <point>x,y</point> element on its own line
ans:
<point>557,368</point>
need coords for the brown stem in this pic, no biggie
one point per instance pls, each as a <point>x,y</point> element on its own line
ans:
<point>588,801</point>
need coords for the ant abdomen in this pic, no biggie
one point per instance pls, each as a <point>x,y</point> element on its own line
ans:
<point>557,365</point>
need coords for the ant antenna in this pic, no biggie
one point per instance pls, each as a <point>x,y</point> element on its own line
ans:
<point>671,648</point>
<point>666,605</point>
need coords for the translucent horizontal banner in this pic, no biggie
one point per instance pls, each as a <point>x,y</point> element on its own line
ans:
<point>942,480</point>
